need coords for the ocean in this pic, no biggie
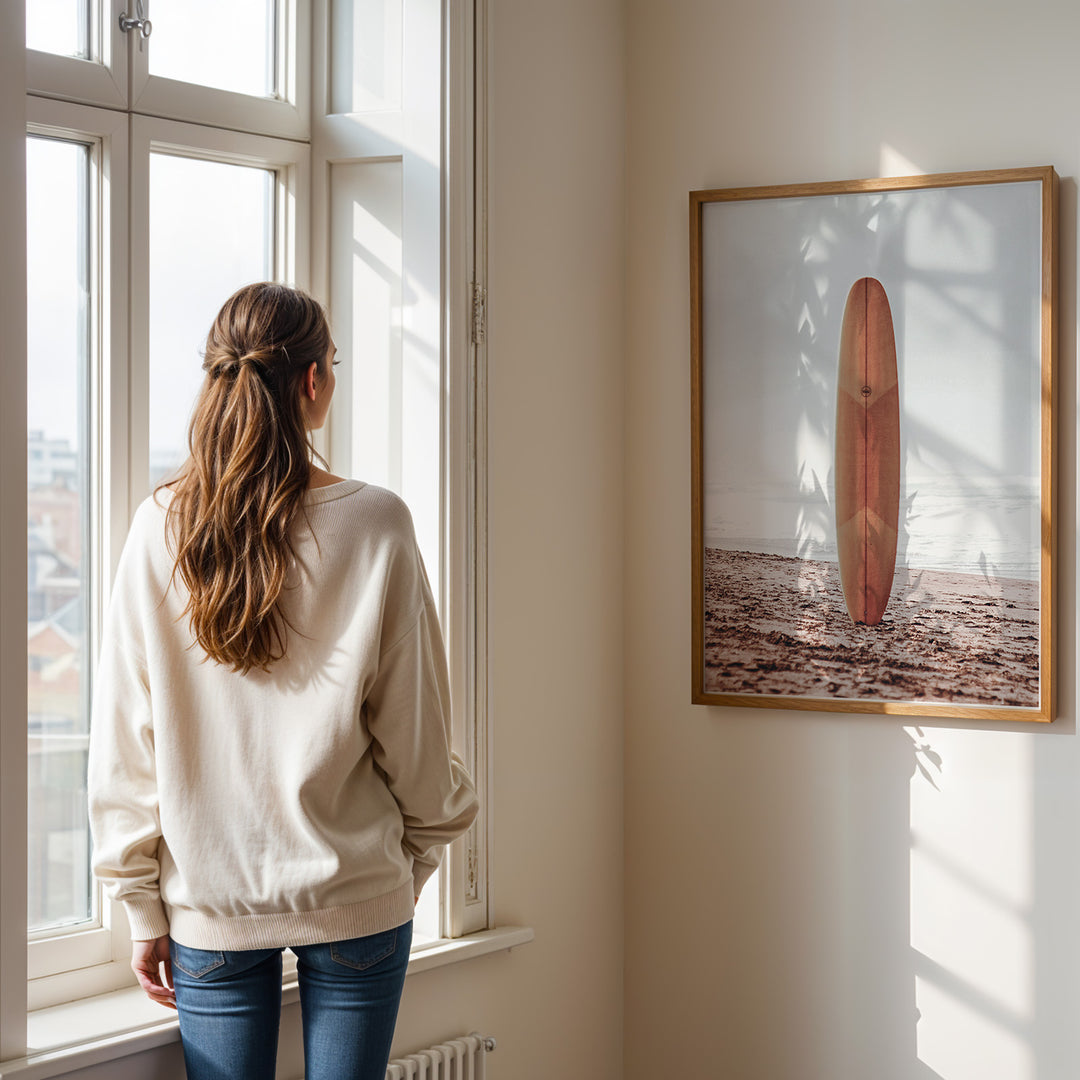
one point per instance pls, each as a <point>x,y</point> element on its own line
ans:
<point>959,526</point>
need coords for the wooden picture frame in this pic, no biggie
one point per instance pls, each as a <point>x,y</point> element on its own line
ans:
<point>873,370</point>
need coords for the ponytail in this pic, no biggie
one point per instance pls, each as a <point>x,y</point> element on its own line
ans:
<point>237,498</point>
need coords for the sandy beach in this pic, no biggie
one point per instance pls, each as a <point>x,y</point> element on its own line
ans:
<point>777,625</point>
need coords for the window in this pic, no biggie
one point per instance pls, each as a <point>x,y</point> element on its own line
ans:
<point>142,155</point>
<point>73,232</point>
<point>131,252</point>
<point>58,220</point>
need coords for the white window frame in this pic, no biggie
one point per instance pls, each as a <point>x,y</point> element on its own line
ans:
<point>463,484</point>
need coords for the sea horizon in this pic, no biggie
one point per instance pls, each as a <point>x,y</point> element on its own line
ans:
<point>945,526</point>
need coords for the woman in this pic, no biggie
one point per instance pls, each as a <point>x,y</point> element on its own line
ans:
<point>270,759</point>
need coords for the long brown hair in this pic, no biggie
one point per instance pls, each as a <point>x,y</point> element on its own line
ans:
<point>242,488</point>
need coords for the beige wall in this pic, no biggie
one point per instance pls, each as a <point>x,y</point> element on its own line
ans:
<point>800,900</point>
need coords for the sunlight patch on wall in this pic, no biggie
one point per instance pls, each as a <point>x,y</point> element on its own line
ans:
<point>971,902</point>
<point>893,163</point>
<point>963,1043</point>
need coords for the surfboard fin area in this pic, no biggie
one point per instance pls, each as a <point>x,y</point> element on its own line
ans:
<point>867,452</point>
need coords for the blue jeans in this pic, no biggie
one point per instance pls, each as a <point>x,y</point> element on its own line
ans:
<point>230,1007</point>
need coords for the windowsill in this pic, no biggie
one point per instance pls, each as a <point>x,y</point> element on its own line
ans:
<point>83,1033</point>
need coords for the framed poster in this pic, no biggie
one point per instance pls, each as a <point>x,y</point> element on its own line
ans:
<point>873,411</point>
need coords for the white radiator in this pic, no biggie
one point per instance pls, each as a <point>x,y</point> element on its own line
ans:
<point>457,1059</point>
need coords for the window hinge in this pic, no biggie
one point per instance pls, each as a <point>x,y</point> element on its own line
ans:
<point>473,867</point>
<point>479,313</point>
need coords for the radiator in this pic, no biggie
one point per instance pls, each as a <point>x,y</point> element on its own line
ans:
<point>456,1059</point>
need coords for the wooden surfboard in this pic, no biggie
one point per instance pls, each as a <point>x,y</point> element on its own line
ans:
<point>867,452</point>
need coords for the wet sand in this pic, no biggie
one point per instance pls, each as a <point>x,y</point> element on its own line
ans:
<point>776,625</point>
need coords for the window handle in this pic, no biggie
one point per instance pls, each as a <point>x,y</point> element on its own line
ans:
<point>142,24</point>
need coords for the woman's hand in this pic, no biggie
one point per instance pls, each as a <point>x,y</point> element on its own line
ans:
<point>148,958</point>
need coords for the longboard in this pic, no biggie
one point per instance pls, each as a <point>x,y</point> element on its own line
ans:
<point>867,452</point>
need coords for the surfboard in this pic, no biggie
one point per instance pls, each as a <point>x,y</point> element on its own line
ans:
<point>867,452</point>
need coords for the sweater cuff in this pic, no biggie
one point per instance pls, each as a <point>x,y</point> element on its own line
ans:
<point>146,918</point>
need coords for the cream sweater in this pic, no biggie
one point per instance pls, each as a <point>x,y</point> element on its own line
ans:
<point>303,805</point>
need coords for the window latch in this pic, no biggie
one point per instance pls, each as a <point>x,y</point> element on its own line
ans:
<point>142,24</point>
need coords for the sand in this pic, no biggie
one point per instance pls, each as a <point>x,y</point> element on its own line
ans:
<point>776,625</point>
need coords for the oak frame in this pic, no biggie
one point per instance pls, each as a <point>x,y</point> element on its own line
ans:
<point>1046,298</point>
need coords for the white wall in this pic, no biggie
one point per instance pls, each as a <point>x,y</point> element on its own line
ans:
<point>801,900</point>
<point>555,404</point>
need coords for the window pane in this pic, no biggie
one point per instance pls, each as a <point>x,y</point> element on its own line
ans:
<point>229,46</point>
<point>211,231</point>
<point>58,501</point>
<point>58,26</point>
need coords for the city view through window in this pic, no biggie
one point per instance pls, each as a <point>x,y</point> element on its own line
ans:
<point>58,280</point>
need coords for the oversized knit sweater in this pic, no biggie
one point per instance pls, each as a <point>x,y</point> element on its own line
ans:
<point>303,804</point>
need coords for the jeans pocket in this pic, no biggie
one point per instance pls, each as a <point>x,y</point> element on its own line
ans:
<point>195,962</point>
<point>364,952</point>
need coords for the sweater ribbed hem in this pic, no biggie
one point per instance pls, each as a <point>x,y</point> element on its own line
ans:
<point>281,929</point>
